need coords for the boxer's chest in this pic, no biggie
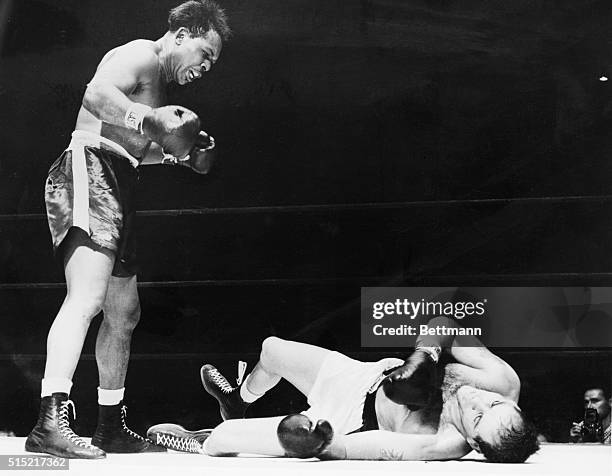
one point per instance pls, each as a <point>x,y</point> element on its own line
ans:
<point>400,419</point>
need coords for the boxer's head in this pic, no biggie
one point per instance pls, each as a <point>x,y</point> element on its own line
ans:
<point>199,28</point>
<point>495,426</point>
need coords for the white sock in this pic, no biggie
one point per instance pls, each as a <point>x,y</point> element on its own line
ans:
<point>110,397</point>
<point>246,394</point>
<point>205,447</point>
<point>51,385</point>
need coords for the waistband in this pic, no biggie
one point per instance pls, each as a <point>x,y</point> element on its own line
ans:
<point>368,417</point>
<point>90,139</point>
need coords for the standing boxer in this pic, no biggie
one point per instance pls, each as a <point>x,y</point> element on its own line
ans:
<point>390,409</point>
<point>89,196</point>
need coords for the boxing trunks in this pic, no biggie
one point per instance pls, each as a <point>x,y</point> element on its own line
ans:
<point>92,186</point>
<point>341,389</point>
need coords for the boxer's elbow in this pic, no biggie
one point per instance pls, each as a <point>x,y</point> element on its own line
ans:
<point>515,384</point>
<point>510,383</point>
<point>93,99</point>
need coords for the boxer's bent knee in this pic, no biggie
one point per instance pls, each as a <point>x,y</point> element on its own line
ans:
<point>270,351</point>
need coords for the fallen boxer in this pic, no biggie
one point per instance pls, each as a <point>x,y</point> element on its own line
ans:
<point>385,410</point>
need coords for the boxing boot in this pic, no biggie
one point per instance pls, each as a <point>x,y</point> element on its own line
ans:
<point>52,433</point>
<point>175,437</point>
<point>231,404</point>
<point>113,435</point>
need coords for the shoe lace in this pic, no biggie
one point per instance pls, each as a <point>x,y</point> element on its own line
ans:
<point>242,366</point>
<point>189,445</point>
<point>220,381</point>
<point>133,434</point>
<point>64,425</point>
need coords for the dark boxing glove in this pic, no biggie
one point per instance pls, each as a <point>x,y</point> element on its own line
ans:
<point>413,383</point>
<point>199,160</point>
<point>301,439</point>
<point>204,141</point>
<point>174,128</point>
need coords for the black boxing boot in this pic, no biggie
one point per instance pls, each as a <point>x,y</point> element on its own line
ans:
<point>113,435</point>
<point>175,437</point>
<point>231,404</point>
<point>53,435</point>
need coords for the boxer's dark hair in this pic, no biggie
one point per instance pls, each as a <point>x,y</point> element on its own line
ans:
<point>199,17</point>
<point>516,443</point>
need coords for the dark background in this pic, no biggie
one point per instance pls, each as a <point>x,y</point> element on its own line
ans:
<point>360,142</point>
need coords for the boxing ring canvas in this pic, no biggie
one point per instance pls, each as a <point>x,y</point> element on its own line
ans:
<point>552,459</point>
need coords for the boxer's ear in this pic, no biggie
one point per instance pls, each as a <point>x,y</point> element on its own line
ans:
<point>181,34</point>
<point>474,444</point>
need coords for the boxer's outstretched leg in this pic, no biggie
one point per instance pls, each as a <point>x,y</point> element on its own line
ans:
<point>87,271</point>
<point>253,436</point>
<point>296,362</point>
<point>293,436</point>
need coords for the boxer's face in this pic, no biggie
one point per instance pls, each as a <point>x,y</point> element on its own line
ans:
<point>595,398</point>
<point>195,55</point>
<point>484,414</point>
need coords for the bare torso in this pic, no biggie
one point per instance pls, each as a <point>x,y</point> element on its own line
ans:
<point>434,418</point>
<point>150,90</point>
<point>399,418</point>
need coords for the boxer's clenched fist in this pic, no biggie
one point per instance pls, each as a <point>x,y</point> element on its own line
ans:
<point>412,384</point>
<point>301,438</point>
<point>174,128</point>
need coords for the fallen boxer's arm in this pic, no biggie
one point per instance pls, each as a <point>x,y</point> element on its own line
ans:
<point>387,445</point>
<point>407,384</point>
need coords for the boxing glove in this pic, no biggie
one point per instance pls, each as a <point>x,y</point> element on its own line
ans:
<point>199,160</point>
<point>412,383</point>
<point>301,439</point>
<point>174,128</point>
<point>204,141</point>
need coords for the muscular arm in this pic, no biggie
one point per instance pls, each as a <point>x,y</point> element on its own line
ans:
<point>478,364</point>
<point>387,445</point>
<point>119,74</point>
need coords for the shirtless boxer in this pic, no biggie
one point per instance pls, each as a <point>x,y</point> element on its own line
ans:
<point>385,410</point>
<point>122,124</point>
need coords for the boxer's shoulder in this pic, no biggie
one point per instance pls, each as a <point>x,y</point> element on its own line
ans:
<point>138,53</point>
<point>142,46</point>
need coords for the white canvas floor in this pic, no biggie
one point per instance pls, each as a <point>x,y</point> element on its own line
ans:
<point>552,459</point>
